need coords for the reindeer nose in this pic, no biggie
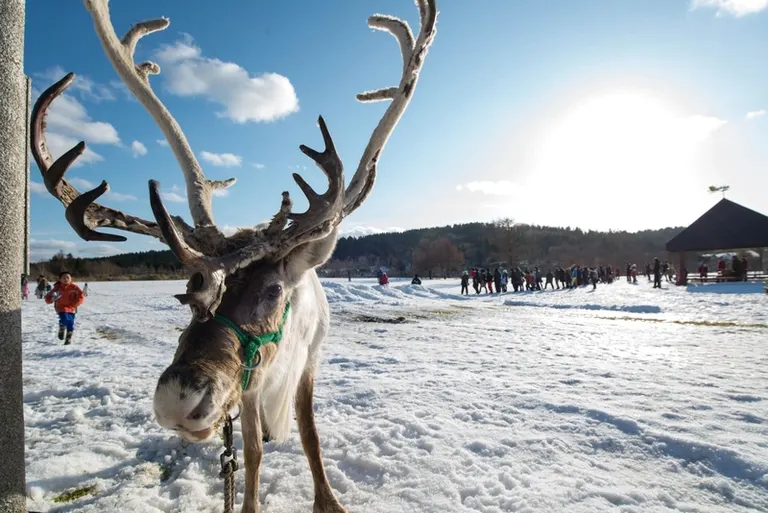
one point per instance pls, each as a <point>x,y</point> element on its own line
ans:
<point>185,404</point>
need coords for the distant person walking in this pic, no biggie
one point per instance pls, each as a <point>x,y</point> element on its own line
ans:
<point>41,286</point>
<point>24,287</point>
<point>656,273</point>
<point>465,283</point>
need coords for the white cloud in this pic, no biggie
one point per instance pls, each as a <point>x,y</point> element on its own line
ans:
<point>59,144</point>
<point>87,88</point>
<point>45,249</point>
<point>37,188</point>
<point>118,85</point>
<point>230,230</point>
<point>737,8</point>
<point>85,185</point>
<point>67,116</point>
<point>162,142</point>
<point>116,196</point>
<point>755,114</point>
<point>186,72</point>
<point>175,195</point>
<point>138,149</point>
<point>221,193</point>
<point>222,159</point>
<point>490,188</point>
<point>362,231</point>
<point>80,183</point>
<point>257,165</point>
<point>68,123</point>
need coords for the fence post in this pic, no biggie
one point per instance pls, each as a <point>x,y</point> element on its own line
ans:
<point>13,130</point>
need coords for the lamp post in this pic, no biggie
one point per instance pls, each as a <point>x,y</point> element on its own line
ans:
<point>13,129</point>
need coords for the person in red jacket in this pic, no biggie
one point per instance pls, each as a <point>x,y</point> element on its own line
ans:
<point>66,296</point>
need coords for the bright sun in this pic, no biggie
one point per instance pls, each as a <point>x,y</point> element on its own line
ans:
<point>621,136</point>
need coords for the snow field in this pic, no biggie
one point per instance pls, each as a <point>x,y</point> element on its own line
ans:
<point>626,399</point>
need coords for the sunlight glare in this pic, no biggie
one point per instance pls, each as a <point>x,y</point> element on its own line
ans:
<point>614,154</point>
<point>621,136</point>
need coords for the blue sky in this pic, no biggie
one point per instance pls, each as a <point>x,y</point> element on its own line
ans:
<point>594,113</point>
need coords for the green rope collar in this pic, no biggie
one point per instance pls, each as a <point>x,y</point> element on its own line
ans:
<point>252,343</point>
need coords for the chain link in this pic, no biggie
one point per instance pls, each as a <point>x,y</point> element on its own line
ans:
<point>228,466</point>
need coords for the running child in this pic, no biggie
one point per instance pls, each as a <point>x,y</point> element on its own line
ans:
<point>66,296</point>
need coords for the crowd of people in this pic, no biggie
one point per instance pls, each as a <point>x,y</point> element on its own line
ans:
<point>485,280</point>
<point>737,272</point>
<point>526,279</point>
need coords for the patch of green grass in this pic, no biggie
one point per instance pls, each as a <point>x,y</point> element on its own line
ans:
<point>107,333</point>
<point>713,324</point>
<point>384,320</point>
<point>165,473</point>
<point>443,313</point>
<point>74,493</point>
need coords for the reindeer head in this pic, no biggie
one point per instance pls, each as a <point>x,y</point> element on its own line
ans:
<point>242,284</point>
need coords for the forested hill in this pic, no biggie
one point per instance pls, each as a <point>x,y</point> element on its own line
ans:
<point>442,250</point>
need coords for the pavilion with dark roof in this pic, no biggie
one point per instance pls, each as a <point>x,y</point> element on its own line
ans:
<point>725,226</point>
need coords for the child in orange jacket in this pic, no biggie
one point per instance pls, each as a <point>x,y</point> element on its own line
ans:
<point>66,297</point>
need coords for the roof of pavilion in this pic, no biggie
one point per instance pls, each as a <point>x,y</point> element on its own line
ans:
<point>727,225</point>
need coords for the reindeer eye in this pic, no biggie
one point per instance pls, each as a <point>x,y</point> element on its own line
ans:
<point>274,291</point>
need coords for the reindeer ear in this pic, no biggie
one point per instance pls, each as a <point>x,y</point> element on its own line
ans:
<point>309,255</point>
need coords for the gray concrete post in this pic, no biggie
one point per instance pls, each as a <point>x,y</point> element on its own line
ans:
<point>27,192</point>
<point>13,129</point>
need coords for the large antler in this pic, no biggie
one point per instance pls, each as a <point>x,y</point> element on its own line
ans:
<point>414,54</point>
<point>326,211</point>
<point>82,212</point>
<point>136,77</point>
<point>287,230</point>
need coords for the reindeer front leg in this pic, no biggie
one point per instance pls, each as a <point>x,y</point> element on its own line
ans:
<point>325,501</point>
<point>252,448</point>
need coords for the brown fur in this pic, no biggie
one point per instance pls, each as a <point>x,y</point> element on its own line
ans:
<point>253,448</point>
<point>325,501</point>
<point>210,354</point>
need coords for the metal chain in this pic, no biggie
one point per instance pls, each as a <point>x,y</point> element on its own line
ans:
<point>228,466</point>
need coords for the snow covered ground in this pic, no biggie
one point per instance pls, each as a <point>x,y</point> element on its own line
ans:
<point>626,399</point>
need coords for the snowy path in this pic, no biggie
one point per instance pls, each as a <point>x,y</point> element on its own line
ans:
<point>619,400</point>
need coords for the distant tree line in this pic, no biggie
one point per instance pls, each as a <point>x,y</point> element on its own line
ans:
<point>438,251</point>
<point>147,265</point>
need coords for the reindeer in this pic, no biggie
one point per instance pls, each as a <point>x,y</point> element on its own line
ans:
<point>259,313</point>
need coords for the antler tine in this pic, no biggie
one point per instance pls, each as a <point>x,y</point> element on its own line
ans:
<point>281,218</point>
<point>136,77</point>
<point>327,205</point>
<point>206,288</point>
<point>413,53</point>
<point>322,207</point>
<point>323,215</point>
<point>176,242</point>
<point>81,209</point>
<point>216,185</point>
<point>76,215</point>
